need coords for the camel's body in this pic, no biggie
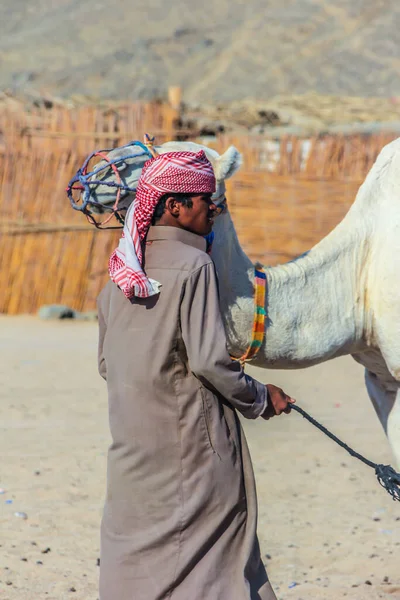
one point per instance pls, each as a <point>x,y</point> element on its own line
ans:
<point>342,297</point>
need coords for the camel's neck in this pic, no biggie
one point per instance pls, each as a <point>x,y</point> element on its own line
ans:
<point>235,275</point>
<point>313,303</point>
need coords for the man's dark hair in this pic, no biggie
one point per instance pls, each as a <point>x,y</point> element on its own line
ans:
<point>160,208</point>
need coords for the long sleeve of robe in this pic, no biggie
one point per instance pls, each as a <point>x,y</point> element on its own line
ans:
<point>205,341</point>
<point>180,514</point>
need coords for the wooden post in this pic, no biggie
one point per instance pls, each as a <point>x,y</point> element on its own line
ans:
<point>173,111</point>
<point>175,97</point>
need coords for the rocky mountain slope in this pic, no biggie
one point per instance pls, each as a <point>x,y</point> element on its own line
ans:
<point>217,51</point>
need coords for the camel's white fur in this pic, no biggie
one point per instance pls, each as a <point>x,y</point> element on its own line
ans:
<point>342,297</point>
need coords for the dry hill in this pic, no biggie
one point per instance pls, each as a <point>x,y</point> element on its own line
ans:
<point>217,51</point>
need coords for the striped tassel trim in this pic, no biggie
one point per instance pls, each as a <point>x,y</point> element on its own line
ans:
<point>260,284</point>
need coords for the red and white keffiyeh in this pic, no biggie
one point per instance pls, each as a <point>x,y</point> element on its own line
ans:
<point>173,172</point>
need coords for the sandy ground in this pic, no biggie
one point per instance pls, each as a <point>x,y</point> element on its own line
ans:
<point>326,527</point>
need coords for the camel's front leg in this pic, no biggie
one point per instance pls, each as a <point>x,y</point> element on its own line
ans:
<point>393,428</point>
<point>386,401</point>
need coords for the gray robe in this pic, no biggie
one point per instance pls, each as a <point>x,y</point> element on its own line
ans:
<point>180,516</point>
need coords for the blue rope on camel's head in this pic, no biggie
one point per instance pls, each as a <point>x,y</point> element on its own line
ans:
<point>87,182</point>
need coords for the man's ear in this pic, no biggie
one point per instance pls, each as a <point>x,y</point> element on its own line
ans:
<point>172,205</point>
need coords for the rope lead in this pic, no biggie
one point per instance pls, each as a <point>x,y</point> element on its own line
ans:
<point>386,475</point>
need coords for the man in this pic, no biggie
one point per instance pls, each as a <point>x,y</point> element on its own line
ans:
<point>180,515</point>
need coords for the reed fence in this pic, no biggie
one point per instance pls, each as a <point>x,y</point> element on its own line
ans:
<point>324,156</point>
<point>289,194</point>
<point>84,128</point>
<point>292,192</point>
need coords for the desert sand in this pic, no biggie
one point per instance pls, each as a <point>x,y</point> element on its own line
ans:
<point>326,527</point>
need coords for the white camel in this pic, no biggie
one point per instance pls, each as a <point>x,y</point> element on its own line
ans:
<point>339,298</point>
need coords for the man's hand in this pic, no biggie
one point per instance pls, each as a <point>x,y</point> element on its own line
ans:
<point>278,402</point>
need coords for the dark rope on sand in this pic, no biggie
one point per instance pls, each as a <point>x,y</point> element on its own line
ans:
<point>386,475</point>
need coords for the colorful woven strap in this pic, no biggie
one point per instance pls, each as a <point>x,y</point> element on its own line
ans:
<point>260,283</point>
<point>149,143</point>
